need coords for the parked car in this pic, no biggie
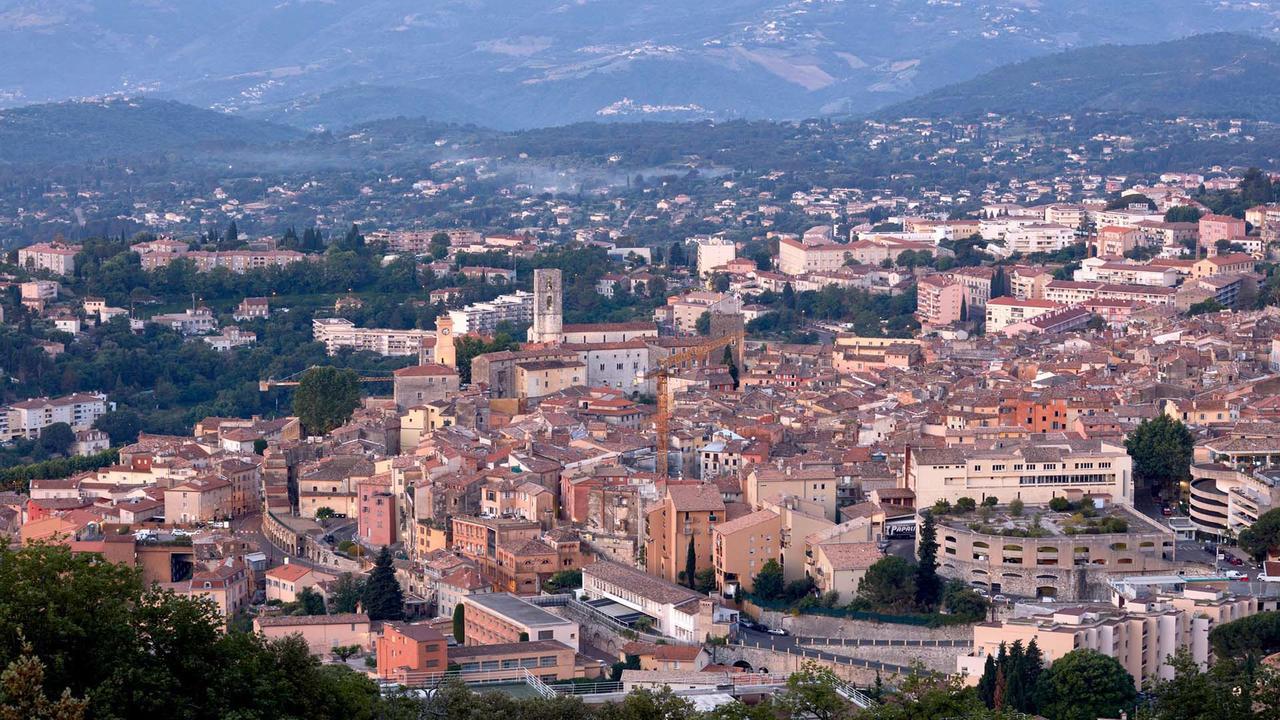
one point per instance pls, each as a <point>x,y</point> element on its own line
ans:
<point>1236,561</point>
<point>1263,577</point>
<point>1002,599</point>
<point>1236,575</point>
<point>1166,511</point>
<point>777,631</point>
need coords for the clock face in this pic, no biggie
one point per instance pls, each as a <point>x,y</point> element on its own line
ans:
<point>445,331</point>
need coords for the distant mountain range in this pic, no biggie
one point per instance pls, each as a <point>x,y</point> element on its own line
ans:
<point>528,63</point>
<point>1214,75</point>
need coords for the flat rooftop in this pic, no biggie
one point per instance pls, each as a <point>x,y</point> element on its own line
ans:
<point>1041,521</point>
<point>516,609</point>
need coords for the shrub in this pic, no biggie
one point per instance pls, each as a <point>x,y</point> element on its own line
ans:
<point>1059,504</point>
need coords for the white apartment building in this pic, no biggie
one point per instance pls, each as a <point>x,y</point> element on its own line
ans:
<point>1070,292</point>
<point>714,252</point>
<point>27,418</point>
<point>1037,238</point>
<point>1035,471</point>
<point>57,258</point>
<point>1099,270</point>
<point>339,333</point>
<point>484,317</point>
<point>189,322</point>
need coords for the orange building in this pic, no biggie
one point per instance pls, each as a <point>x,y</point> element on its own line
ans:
<point>404,649</point>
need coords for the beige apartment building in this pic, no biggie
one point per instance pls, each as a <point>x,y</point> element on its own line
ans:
<point>199,500</point>
<point>797,258</point>
<point>742,546</point>
<point>1142,631</point>
<point>1034,471</point>
<point>686,514</point>
<point>1005,311</point>
<point>817,485</point>
<point>322,633</point>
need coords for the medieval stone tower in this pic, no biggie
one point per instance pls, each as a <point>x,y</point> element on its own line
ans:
<point>548,307</point>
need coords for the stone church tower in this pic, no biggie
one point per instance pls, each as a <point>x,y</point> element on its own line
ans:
<point>548,307</point>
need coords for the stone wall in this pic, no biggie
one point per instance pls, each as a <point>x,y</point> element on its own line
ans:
<point>783,663</point>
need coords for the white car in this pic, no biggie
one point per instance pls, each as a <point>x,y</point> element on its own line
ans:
<point>1236,575</point>
<point>777,631</point>
<point>1269,578</point>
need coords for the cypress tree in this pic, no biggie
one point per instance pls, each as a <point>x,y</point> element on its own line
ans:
<point>383,599</point>
<point>928,585</point>
<point>690,565</point>
<point>460,623</point>
<point>733,366</point>
<point>987,684</point>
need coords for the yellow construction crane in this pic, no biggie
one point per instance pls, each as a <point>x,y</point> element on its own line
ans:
<point>696,355</point>
<point>292,381</point>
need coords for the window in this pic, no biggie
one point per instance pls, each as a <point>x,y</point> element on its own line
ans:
<point>547,661</point>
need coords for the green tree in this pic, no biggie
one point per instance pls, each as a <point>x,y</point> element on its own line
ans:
<point>811,692</point>
<point>325,398</point>
<point>1085,685</point>
<point>22,694</point>
<point>563,580</point>
<point>703,324</point>
<point>468,347</point>
<point>439,247</point>
<point>346,594</point>
<point>732,364</point>
<point>768,583</point>
<point>1182,214</point>
<point>260,446</point>
<point>705,580</point>
<point>1161,449</point>
<point>1263,536</point>
<point>1222,693</point>
<point>133,650</point>
<point>383,598</point>
<point>308,602</point>
<point>643,704</point>
<point>964,602</point>
<point>889,584</point>
<point>691,565</point>
<point>57,439</point>
<point>999,283</point>
<point>928,584</point>
<point>345,652</point>
<point>1205,307</point>
<point>122,426</point>
<point>926,696</point>
<point>1255,636</point>
<point>460,624</point>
